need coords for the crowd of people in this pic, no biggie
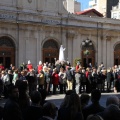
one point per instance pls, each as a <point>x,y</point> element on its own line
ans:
<point>73,107</point>
<point>61,77</point>
<point>27,87</point>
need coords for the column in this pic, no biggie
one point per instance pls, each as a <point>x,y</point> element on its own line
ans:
<point>71,35</point>
<point>109,51</point>
<point>76,47</point>
<point>38,45</point>
<point>104,54</point>
<point>70,50</point>
<point>99,52</point>
<point>41,38</point>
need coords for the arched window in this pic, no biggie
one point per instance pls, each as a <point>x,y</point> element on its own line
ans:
<point>50,43</point>
<point>6,41</point>
<point>117,47</point>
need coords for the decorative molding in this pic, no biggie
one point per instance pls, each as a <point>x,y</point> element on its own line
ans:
<point>108,38</point>
<point>71,34</point>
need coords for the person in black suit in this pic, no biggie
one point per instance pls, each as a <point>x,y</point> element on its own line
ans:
<point>49,111</point>
<point>35,111</point>
<point>71,108</point>
<point>12,109</point>
<point>109,80</point>
<point>94,107</point>
<point>112,110</point>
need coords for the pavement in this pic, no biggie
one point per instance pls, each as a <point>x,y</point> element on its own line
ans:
<point>58,98</point>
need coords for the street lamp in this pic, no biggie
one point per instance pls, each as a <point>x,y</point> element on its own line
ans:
<point>86,43</point>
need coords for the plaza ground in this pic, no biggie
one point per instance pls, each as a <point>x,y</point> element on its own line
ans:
<point>57,99</point>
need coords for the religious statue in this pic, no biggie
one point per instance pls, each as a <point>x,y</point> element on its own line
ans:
<point>61,53</point>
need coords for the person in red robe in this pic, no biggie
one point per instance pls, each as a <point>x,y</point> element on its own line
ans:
<point>55,80</point>
<point>29,66</point>
<point>77,66</point>
<point>2,67</point>
<point>40,67</point>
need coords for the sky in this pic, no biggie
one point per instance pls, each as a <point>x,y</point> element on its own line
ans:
<point>84,4</point>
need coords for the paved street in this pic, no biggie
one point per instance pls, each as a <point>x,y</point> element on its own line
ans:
<point>57,99</point>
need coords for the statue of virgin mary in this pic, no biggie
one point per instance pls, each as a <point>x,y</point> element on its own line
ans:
<point>61,53</point>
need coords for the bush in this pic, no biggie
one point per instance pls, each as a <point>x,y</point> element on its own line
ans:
<point>76,61</point>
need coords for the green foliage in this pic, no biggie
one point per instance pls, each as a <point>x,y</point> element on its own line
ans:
<point>86,52</point>
<point>76,61</point>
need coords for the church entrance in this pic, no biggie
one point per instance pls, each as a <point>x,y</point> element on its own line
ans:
<point>88,53</point>
<point>50,51</point>
<point>117,55</point>
<point>7,52</point>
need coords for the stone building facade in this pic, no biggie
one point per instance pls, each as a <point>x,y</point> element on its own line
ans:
<point>34,30</point>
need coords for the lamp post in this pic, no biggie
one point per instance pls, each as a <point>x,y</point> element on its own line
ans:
<point>86,43</point>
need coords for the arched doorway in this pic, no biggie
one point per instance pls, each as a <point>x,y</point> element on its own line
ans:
<point>117,54</point>
<point>88,53</point>
<point>50,51</point>
<point>7,51</point>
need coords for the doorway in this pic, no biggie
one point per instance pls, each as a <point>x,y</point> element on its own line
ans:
<point>7,52</point>
<point>50,51</point>
<point>88,58</point>
<point>117,54</point>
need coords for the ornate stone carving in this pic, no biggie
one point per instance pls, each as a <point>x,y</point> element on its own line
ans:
<point>71,34</point>
<point>108,38</point>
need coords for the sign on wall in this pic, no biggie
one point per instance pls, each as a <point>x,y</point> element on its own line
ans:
<point>48,21</point>
<point>7,16</point>
<point>51,21</point>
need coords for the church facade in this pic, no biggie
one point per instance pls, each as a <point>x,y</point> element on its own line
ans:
<point>34,30</point>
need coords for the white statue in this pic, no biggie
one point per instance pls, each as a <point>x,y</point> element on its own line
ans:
<point>61,53</point>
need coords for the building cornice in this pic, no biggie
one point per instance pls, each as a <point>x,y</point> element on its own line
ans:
<point>70,20</point>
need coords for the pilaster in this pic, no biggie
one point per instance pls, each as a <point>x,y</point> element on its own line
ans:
<point>99,53</point>
<point>104,54</point>
<point>109,50</point>
<point>71,36</point>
